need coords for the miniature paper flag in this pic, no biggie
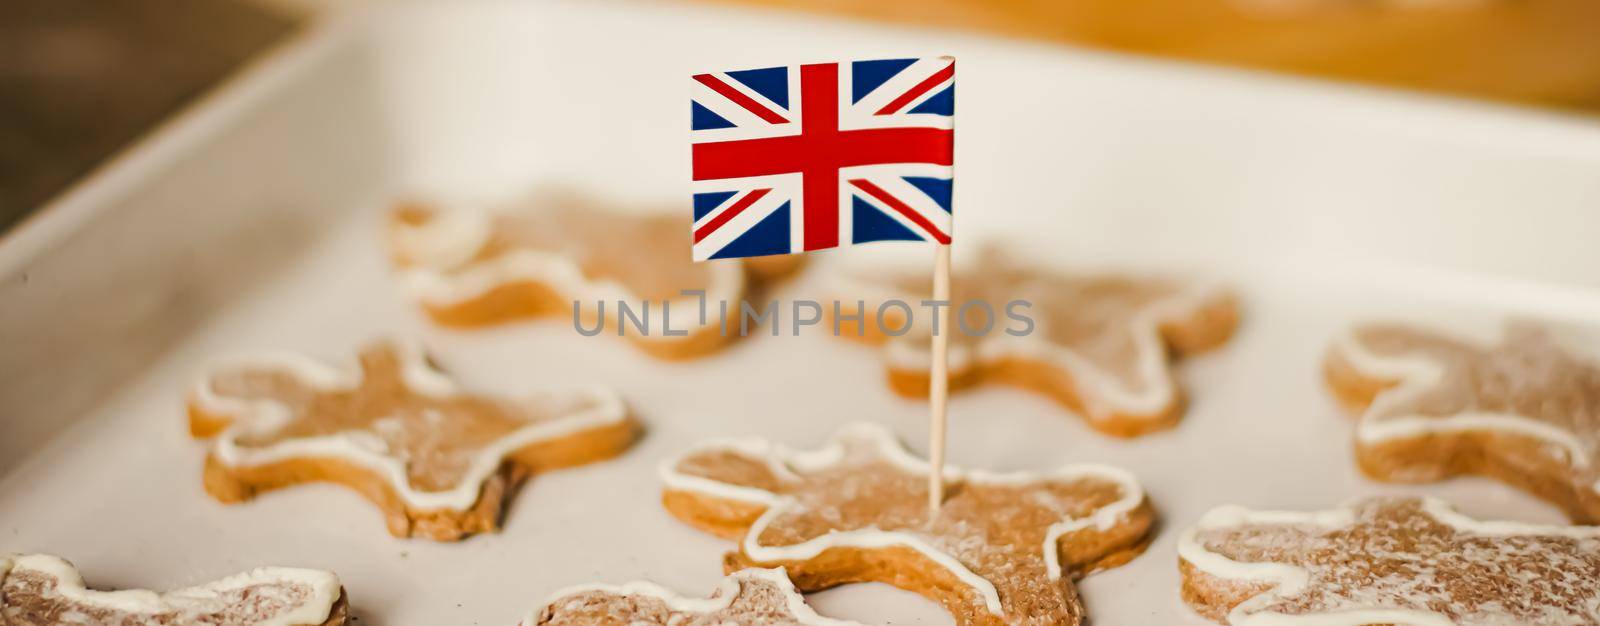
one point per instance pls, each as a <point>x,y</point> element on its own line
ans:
<point>809,157</point>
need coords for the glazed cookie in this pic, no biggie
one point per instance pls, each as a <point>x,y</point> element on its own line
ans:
<point>1400,561</point>
<point>751,597</point>
<point>472,267</point>
<point>44,590</point>
<point>439,461</point>
<point>1003,549</point>
<point>1524,409</point>
<point>1099,344</point>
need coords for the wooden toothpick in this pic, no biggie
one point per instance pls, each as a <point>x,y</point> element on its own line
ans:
<point>939,380</point>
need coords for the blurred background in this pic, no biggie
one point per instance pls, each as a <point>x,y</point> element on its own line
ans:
<point>80,79</point>
<point>1253,151</point>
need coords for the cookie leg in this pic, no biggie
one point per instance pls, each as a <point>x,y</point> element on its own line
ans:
<point>1522,462</point>
<point>915,385</point>
<point>505,303</point>
<point>205,425</point>
<point>1091,550</point>
<point>1354,390</point>
<point>1213,597</point>
<point>721,517</point>
<point>579,448</point>
<point>233,485</point>
<point>1204,327</point>
<point>902,568</point>
<point>448,525</point>
<point>1059,385</point>
<point>699,343</point>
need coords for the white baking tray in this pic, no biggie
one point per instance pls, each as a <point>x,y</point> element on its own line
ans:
<point>253,222</point>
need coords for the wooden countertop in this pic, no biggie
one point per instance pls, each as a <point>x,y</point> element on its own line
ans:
<point>1543,52</point>
<point>80,79</point>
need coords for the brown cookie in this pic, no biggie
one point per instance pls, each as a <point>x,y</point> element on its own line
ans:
<point>1100,344</point>
<point>750,597</point>
<point>470,267</point>
<point>1388,561</point>
<point>439,461</point>
<point>1003,549</point>
<point>44,590</point>
<point>1524,409</point>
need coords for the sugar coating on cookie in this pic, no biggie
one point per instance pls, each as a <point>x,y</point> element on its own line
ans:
<point>1002,549</point>
<point>1404,561</point>
<point>439,460</point>
<point>749,597</point>
<point>470,266</point>
<point>40,590</point>
<point>1101,344</point>
<point>1523,408</point>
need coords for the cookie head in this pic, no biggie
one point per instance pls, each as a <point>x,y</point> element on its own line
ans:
<point>1003,549</point>
<point>1388,561</point>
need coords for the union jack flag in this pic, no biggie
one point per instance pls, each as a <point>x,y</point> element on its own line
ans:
<point>792,159</point>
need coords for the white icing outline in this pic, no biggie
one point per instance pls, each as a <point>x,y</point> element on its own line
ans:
<point>1108,398</point>
<point>1288,580</point>
<point>449,239</point>
<point>604,408</point>
<point>325,589</point>
<point>721,598</point>
<point>443,277</point>
<point>1417,375</point>
<point>781,459</point>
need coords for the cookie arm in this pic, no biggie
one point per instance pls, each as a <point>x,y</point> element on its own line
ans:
<point>1205,318</point>
<point>722,487</point>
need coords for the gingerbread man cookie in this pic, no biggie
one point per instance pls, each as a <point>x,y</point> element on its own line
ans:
<point>439,461</point>
<point>1099,344</point>
<point>750,597</point>
<point>1398,561</point>
<point>1003,549</point>
<point>1524,409</point>
<point>44,590</point>
<point>472,267</point>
